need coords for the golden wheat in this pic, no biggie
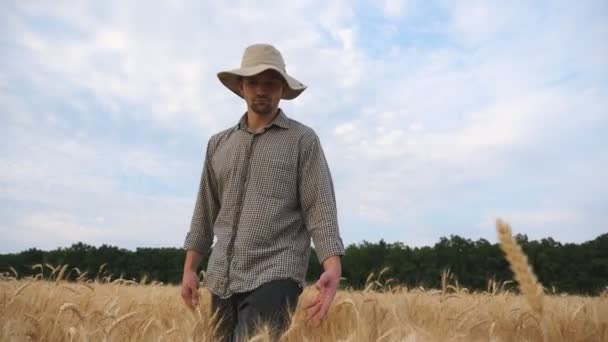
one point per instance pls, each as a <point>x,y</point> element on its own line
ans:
<point>118,309</point>
<point>73,308</point>
<point>529,286</point>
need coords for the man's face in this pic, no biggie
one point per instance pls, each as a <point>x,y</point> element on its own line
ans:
<point>263,92</point>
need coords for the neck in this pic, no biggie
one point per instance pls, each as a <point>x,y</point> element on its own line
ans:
<point>256,121</point>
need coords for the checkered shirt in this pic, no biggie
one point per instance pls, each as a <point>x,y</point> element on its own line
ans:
<point>263,196</point>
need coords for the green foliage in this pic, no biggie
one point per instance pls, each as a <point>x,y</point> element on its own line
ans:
<point>572,268</point>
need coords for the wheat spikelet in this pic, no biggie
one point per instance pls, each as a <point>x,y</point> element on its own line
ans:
<point>118,321</point>
<point>528,284</point>
<point>75,270</point>
<point>387,334</point>
<point>353,308</point>
<point>69,288</point>
<point>465,316</point>
<point>21,288</point>
<point>71,307</point>
<point>491,331</point>
<point>100,271</point>
<point>171,330</point>
<point>14,272</point>
<point>88,286</point>
<point>119,281</point>
<point>155,322</point>
<point>50,267</point>
<point>382,271</point>
<point>81,276</point>
<point>61,273</point>
<point>71,333</point>
<point>99,316</point>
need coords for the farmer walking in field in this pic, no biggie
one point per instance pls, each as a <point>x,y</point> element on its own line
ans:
<point>265,191</point>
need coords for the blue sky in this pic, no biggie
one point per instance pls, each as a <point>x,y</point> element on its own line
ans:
<point>437,117</point>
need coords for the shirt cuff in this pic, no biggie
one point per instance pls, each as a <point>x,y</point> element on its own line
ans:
<point>332,248</point>
<point>196,242</point>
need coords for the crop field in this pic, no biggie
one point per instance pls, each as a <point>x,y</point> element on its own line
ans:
<point>51,309</point>
<point>120,311</point>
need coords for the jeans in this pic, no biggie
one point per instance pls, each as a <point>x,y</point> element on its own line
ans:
<point>238,316</point>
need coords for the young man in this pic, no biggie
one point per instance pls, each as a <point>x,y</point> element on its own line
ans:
<point>265,191</point>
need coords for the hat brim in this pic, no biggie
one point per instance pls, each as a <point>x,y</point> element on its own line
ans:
<point>231,80</point>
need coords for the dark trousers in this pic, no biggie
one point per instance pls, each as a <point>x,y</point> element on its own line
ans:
<point>238,316</point>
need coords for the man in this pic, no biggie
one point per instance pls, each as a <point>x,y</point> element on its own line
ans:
<point>265,191</point>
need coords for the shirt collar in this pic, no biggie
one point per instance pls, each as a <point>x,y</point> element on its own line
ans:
<point>280,120</point>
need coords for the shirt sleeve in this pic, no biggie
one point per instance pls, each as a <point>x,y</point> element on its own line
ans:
<point>200,236</point>
<point>318,201</point>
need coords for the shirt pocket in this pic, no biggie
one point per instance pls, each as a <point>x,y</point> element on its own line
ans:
<point>276,178</point>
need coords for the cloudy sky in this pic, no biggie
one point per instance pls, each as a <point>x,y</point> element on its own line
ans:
<point>436,117</point>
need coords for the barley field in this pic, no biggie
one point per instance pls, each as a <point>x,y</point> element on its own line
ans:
<point>51,309</point>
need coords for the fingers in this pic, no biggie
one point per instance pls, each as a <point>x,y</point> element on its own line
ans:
<point>190,295</point>
<point>314,310</point>
<point>194,296</point>
<point>317,310</point>
<point>312,313</point>
<point>322,313</point>
<point>186,296</point>
<point>311,304</point>
<point>317,313</point>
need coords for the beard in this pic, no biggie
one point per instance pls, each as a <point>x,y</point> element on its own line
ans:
<point>262,106</point>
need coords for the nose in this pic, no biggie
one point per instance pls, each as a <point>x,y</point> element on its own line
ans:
<point>261,90</point>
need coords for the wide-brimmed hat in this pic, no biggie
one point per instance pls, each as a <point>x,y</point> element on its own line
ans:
<point>257,59</point>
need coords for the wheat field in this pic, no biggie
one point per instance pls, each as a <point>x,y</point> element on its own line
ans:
<point>51,309</point>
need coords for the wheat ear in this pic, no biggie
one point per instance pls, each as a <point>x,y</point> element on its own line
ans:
<point>529,286</point>
<point>71,307</point>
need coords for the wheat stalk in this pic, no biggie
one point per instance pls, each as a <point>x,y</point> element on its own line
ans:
<point>528,284</point>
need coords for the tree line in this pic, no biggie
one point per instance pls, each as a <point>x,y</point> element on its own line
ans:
<point>571,268</point>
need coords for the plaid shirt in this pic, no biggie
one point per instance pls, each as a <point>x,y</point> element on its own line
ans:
<point>263,195</point>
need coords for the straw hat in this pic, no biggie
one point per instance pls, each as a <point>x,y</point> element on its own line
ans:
<point>257,59</point>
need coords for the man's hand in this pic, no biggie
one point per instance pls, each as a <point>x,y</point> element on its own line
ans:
<point>190,279</point>
<point>190,288</point>
<point>316,311</point>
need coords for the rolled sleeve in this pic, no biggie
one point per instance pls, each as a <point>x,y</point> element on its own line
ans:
<point>318,201</point>
<point>200,236</point>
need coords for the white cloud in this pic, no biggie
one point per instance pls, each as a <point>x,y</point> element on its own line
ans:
<point>478,21</point>
<point>541,222</point>
<point>394,8</point>
<point>408,126</point>
<point>545,217</point>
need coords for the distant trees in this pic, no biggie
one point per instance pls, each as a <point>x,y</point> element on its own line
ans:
<point>573,268</point>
